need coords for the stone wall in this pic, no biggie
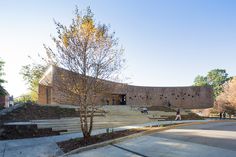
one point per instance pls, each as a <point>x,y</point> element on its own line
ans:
<point>183,97</point>
<point>191,97</point>
<point>44,94</point>
<point>2,101</point>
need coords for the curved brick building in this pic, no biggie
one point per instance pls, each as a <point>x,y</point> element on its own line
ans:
<point>191,97</point>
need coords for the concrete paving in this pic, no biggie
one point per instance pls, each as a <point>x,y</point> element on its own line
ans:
<point>42,150</point>
<point>213,139</point>
<point>46,146</point>
<point>110,151</point>
<point>221,135</point>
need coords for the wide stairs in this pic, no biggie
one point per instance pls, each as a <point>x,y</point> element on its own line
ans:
<point>114,116</point>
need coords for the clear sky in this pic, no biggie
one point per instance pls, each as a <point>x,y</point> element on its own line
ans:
<point>167,42</point>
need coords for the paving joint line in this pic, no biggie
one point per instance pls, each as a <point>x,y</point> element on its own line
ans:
<point>4,150</point>
<point>128,150</point>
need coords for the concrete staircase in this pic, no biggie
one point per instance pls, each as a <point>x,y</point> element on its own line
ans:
<point>114,116</point>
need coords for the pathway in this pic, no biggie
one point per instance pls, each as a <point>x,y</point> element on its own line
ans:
<point>47,147</point>
<point>204,140</point>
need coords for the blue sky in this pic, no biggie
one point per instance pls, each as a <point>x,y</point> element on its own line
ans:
<point>167,42</point>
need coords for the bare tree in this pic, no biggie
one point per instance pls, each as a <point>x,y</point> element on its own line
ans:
<point>91,53</point>
<point>226,101</point>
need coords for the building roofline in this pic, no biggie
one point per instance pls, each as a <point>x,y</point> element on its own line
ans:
<point>47,71</point>
<point>51,67</point>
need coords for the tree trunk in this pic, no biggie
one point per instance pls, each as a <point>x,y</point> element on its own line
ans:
<point>84,119</point>
<point>86,137</point>
<point>91,121</point>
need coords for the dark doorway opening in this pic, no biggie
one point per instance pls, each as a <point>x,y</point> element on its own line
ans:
<point>118,99</point>
<point>123,99</point>
<point>48,95</point>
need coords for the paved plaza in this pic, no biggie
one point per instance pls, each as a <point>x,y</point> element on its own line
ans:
<point>47,147</point>
<point>211,139</point>
<point>205,140</point>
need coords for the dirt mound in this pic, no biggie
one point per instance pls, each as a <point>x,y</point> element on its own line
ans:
<point>35,112</point>
<point>160,108</point>
<point>25,131</point>
<point>190,116</point>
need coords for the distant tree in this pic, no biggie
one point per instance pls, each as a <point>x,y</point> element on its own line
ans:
<point>200,81</point>
<point>24,99</point>
<point>88,49</point>
<point>215,78</point>
<point>31,74</point>
<point>2,90</point>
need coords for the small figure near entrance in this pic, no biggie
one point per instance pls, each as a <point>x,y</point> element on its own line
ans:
<point>178,116</point>
<point>169,104</point>
<point>113,101</point>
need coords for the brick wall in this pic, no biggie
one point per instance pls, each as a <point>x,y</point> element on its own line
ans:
<point>185,97</point>
<point>44,94</point>
<point>2,101</point>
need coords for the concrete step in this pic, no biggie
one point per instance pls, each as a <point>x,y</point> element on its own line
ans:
<point>74,123</point>
<point>68,126</point>
<point>95,126</point>
<point>157,119</point>
<point>57,126</point>
<point>75,126</point>
<point>69,131</point>
<point>97,114</point>
<point>75,131</point>
<point>63,120</point>
<point>55,120</point>
<point>65,128</point>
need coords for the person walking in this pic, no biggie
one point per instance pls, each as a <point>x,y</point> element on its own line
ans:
<point>178,116</point>
<point>224,115</point>
<point>220,115</point>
